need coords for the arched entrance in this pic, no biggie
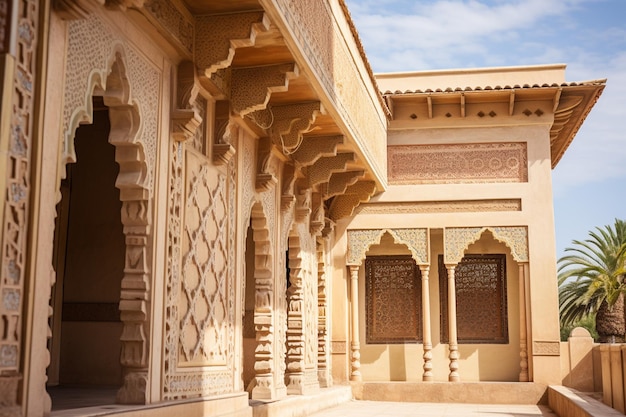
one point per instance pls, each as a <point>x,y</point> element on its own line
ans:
<point>89,251</point>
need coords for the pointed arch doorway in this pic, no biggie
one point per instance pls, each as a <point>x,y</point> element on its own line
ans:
<point>89,256</point>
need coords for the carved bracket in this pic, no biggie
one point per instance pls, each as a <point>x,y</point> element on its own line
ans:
<point>251,88</point>
<point>344,205</point>
<point>291,122</point>
<point>289,179</point>
<point>340,181</point>
<point>316,222</point>
<point>218,36</point>
<point>267,165</point>
<point>303,205</point>
<point>322,170</point>
<point>313,148</point>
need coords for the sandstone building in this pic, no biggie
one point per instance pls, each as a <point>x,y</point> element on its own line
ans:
<point>211,201</point>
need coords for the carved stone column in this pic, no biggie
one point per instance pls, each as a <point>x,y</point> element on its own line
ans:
<point>134,305</point>
<point>453,344</point>
<point>427,337</point>
<point>523,376</point>
<point>355,347</point>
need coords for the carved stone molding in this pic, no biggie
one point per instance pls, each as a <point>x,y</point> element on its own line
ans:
<point>343,205</point>
<point>417,240</point>
<point>313,148</point>
<point>321,170</point>
<point>267,165</point>
<point>290,122</point>
<point>218,36</point>
<point>457,240</point>
<point>458,206</point>
<point>251,88</point>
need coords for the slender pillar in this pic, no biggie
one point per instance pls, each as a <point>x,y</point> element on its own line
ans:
<point>427,337</point>
<point>453,344</point>
<point>355,373</point>
<point>523,376</point>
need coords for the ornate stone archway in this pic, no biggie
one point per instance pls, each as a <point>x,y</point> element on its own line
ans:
<point>112,83</point>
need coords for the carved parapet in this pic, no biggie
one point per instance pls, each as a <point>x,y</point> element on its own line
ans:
<point>315,147</point>
<point>344,205</point>
<point>340,181</point>
<point>290,122</point>
<point>267,165</point>
<point>251,88</point>
<point>322,170</point>
<point>218,36</point>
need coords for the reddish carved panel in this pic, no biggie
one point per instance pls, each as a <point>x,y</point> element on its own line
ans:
<point>393,292</point>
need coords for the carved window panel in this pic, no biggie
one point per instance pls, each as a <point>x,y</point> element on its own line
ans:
<point>393,297</point>
<point>481,305</point>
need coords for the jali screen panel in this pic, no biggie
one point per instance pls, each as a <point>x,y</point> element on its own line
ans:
<point>393,297</point>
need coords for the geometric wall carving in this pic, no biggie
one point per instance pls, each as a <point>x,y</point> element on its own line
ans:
<point>200,320</point>
<point>458,163</point>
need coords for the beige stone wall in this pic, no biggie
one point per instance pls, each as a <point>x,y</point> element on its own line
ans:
<point>481,200</point>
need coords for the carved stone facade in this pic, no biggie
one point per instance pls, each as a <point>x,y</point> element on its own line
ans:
<point>244,147</point>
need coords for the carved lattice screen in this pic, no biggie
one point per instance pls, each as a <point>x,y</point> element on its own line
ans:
<point>393,297</point>
<point>481,307</point>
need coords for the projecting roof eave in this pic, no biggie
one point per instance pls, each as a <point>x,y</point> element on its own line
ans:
<point>572,103</point>
<point>575,103</point>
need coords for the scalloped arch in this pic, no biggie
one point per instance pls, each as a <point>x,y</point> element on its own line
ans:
<point>458,239</point>
<point>359,241</point>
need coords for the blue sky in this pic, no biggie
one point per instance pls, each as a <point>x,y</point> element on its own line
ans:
<point>589,183</point>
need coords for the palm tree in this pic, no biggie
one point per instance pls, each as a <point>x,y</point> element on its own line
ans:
<point>592,280</point>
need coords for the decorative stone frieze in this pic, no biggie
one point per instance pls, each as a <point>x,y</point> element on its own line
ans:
<point>458,163</point>
<point>458,206</point>
<point>251,88</point>
<point>323,168</point>
<point>344,205</point>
